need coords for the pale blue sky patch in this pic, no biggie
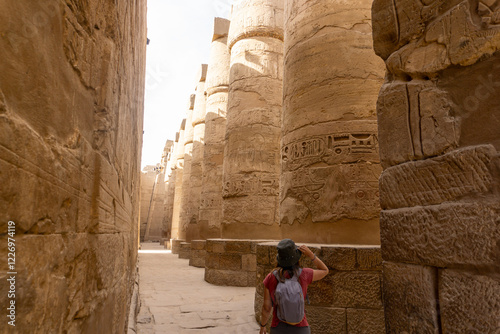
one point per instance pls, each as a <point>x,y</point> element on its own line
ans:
<point>180,34</point>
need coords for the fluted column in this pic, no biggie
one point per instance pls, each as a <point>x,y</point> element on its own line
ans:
<point>186,176</point>
<point>179,153</point>
<point>251,155</point>
<point>198,122</point>
<point>170,183</point>
<point>217,87</point>
<point>330,156</point>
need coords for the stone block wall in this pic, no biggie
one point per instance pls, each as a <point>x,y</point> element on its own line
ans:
<point>176,245</point>
<point>71,114</point>
<point>438,120</point>
<point>348,300</point>
<point>231,262</point>
<point>198,253</point>
<point>185,250</point>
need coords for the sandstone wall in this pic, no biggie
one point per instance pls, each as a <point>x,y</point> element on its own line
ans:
<point>329,155</point>
<point>193,229</point>
<point>71,114</point>
<point>231,262</point>
<point>438,120</point>
<point>157,210</point>
<point>251,154</point>
<point>217,85</point>
<point>148,179</point>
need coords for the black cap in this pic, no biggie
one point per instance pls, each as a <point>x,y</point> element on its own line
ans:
<point>288,254</point>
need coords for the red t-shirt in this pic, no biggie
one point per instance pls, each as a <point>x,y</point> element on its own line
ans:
<point>270,282</point>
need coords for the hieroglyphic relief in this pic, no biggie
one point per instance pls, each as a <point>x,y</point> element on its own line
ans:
<point>241,185</point>
<point>335,192</point>
<point>333,148</point>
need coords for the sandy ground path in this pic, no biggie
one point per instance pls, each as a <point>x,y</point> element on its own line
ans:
<point>176,299</point>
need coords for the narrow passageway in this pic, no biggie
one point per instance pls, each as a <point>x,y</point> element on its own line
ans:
<point>176,299</point>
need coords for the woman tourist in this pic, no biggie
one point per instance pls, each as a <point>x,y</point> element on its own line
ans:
<point>286,290</point>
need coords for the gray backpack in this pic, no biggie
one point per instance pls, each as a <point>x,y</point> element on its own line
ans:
<point>289,298</point>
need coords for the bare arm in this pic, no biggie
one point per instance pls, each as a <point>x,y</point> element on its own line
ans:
<point>322,270</point>
<point>267,308</point>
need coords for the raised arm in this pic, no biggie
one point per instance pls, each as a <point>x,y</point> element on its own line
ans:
<point>322,270</point>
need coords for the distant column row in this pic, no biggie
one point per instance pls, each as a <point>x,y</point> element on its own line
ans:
<point>280,139</point>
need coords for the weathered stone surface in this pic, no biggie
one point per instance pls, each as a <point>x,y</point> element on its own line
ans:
<point>438,122</point>
<point>192,177</point>
<point>360,321</point>
<point>410,299</point>
<point>179,177</point>
<point>453,176</point>
<point>238,256</point>
<point>422,41</point>
<point>217,87</point>
<point>326,319</point>
<point>329,155</point>
<point>194,230</point>
<point>426,114</point>
<point>185,250</point>
<point>339,258</point>
<point>369,258</point>
<point>156,210</point>
<point>198,253</point>
<point>197,258</point>
<point>71,113</point>
<point>148,177</point>
<point>251,154</point>
<point>357,290</point>
<point>227,277</point>
<point>176,245</point>
<point>469,303</point>
<point>181,207</point>
<point>443,235</point>
<point>251,18</point>
<point>170,181</point>
<point>198,244</point>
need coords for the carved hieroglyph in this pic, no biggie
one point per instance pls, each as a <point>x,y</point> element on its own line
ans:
<point>329,154</point>
<point>193,196</point>
<point>439,139</point>
<point>217,87</point>
<point>72,79</point>
<point>251,154</point>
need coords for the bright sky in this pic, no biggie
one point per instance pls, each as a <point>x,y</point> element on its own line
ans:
<point>180,34</point>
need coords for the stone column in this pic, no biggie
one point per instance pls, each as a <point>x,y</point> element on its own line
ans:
<point>186,176</point>
<point>251,155</point>
<point>330,157</point>
<point>439,121</point>
<point>170,183</point>
<point>217,88</point>
<point>148,178</point>
<point>157,205</point>
<point>194,195</point>
<point>179,167</point>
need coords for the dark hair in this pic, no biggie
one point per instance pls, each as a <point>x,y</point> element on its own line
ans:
<point>293,270</point>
